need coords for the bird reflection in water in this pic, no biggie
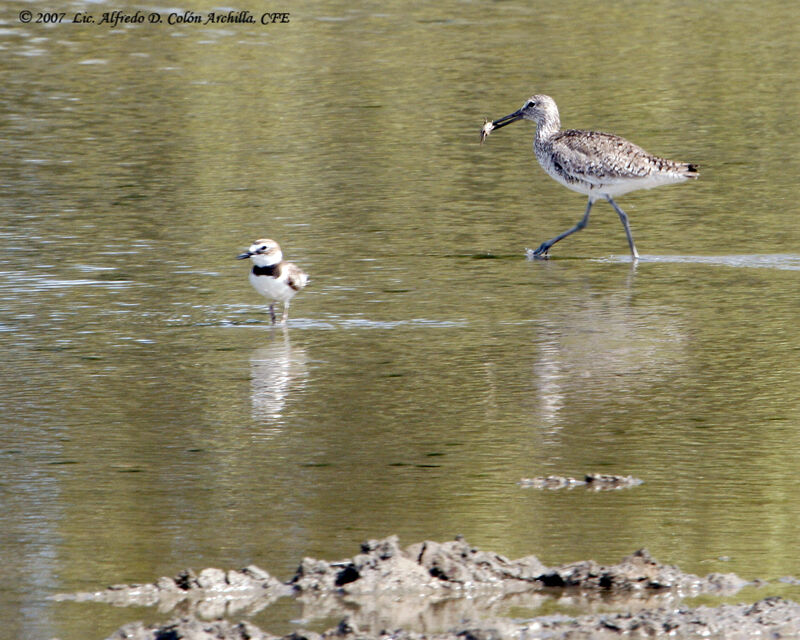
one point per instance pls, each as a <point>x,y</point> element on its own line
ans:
<point>598,350</point>
<point>278,372</point>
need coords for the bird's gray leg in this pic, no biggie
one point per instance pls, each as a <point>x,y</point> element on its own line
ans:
<point>272,312</point>
<point>285,312</point>
<point>545,246</point>
<point>624,217</point>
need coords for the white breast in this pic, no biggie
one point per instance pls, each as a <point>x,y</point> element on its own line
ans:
<point>270,287</point>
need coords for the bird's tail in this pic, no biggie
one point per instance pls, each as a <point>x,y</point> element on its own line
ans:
<point>690,170</point>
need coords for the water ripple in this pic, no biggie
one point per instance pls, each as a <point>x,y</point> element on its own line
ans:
<point>782,261</point>
<point>344,323</point>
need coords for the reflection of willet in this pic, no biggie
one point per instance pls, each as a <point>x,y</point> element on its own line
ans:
<point>277,371</point>
<point>600,165</point>
<point>603,348</point>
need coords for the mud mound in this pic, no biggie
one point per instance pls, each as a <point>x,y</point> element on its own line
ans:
<point>772,617</point>
<point>210,593</point>
<point>432,585</point>
<point>191,629</point>
<point>426,566</point>
<point>637,572</point>
<point>593,481</point>
<point>457,566</point>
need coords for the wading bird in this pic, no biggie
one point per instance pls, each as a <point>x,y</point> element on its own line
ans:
<point>599,165</point>
<point>273,277</point>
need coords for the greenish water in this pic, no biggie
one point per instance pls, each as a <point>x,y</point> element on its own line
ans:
<point>152,420</point>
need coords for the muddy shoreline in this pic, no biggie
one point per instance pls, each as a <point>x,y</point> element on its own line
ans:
<point>768,618</point>
<point>384,591</point>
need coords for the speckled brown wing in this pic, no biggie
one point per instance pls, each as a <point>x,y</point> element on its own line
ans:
<point>599,157</point>
<point>296,278</point>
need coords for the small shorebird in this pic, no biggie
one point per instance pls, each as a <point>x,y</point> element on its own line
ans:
<point>272,277</point>
<point>599,165</point>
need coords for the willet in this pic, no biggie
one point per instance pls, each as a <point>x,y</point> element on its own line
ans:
<point>272,276</point>
<point>599,165</point>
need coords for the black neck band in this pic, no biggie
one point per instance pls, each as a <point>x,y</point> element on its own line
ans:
<point>271,270</point>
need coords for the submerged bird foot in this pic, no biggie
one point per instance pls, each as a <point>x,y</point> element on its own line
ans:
<point>540,254</point>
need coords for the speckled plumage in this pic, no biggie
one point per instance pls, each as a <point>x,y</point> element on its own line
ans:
<point>595,162</point>
<point>600,165</point>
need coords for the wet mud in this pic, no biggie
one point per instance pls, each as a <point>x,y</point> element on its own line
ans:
<point>386,591</point>
<point>767,618</point>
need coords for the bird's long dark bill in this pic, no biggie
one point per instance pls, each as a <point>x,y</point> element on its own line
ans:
<point>502,122</point>
<point>244,255</point>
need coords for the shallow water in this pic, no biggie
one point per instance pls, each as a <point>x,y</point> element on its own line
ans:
<point>152,420</point>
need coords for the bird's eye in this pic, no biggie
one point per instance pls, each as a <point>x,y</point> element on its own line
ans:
<point>263,248</point>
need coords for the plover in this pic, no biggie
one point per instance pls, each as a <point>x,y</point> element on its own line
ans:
<point>600,165</point>
<point>272,277</point>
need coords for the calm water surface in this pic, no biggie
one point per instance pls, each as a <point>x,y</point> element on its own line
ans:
<point>152,420</point>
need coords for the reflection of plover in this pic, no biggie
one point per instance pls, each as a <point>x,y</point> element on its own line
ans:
<point>272,277</point>
<point>600,165</point>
